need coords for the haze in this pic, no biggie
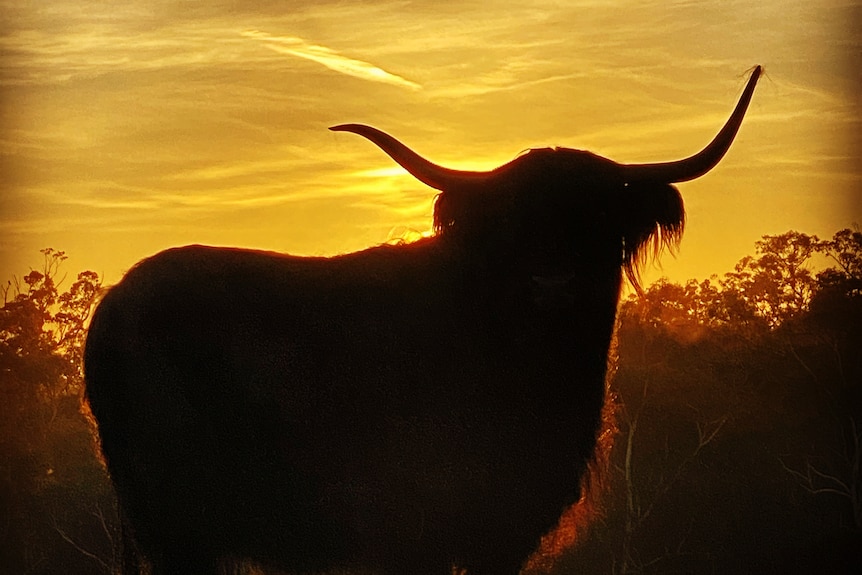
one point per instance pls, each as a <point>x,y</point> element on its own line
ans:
<point>129,127</point>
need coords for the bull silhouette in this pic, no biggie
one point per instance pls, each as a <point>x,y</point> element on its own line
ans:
<point>401,409</point>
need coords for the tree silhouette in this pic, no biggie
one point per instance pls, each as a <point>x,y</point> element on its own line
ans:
<point>776,283</point>
<point>56,499</point>
<point>832,467</point>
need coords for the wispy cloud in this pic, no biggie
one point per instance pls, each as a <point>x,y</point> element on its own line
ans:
<point>330,58</point>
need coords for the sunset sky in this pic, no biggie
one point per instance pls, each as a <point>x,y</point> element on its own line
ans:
<point>132,126</point>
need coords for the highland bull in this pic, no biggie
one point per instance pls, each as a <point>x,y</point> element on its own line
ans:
<point>398,410</point>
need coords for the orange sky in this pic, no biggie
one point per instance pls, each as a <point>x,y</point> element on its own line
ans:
<point>129,127</point>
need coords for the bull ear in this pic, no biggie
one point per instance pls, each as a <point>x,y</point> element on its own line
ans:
<point>702,162</point>
<point>428,173</point>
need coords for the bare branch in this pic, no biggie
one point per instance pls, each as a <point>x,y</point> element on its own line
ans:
<point>705,435</point>
<point>80,549</point>
<point>808,480</point>
<point>100,515</point>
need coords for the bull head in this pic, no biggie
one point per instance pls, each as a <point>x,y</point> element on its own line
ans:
<point>564,196</point>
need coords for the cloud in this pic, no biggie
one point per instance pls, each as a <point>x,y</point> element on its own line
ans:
<point>331,59</point>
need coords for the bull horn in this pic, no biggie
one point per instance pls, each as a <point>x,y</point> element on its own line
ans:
<point>702,162</point>
<point>428,173</point>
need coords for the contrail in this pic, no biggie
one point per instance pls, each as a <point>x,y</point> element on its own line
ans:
<point>327,57</point>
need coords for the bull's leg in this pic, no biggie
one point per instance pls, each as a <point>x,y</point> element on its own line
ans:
<point>180,559</point>
<point>491,570</point>
<point>504,564</point>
